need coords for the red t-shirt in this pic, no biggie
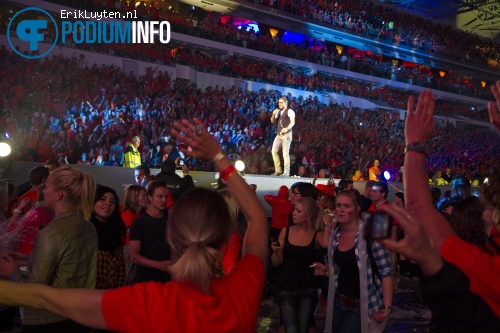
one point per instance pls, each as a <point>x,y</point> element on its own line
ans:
<point>180,307</point>
<point>482,269</point>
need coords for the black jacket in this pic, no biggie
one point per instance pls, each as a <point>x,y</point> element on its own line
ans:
<point>175,184</point>
<point>454,307</point>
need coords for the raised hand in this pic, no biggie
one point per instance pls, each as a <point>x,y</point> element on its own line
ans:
<point>200,144</point>
<point>419,125</point>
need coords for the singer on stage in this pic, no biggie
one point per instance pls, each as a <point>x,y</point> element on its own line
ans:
<point>286,120</point>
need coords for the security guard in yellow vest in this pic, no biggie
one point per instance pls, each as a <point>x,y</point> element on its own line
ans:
<point>132,156</point>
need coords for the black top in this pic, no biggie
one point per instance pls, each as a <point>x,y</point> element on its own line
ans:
<point>454,307</point>
<point>295,271</point>
<point>348,281</point>
<point>175,184</point>
<point>151,232</point>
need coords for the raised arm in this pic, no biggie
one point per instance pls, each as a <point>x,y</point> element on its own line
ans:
<point>419,128</point>
<point>203,146</point>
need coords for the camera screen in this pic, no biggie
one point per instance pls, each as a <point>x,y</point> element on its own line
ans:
<point>377,226</point>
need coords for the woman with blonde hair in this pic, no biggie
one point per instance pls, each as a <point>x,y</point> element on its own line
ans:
<point>295,251</point>
<point>65,251</point>
<point>195,301</point>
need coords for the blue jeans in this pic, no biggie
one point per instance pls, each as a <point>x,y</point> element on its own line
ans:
<point>346,319</point>
<point>297,309</point>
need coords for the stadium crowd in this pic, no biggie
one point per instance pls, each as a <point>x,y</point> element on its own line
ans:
<point>225,31</point>
<point>390,24</point>
<point>63,109</point>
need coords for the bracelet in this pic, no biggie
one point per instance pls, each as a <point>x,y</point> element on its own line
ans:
<point>218,157</point>
<point>227,172</point>
<point>327,225</point>
<point>388,307</point>
<point>18,211</point>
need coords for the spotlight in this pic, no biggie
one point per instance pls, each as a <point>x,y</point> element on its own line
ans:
<point>239,165</point>
<point>486,181</point>
<point>387,175</point>
<point>4,149</point>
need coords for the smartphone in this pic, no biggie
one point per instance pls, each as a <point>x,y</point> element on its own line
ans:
<point>274,240</point>
<point>378,225</point>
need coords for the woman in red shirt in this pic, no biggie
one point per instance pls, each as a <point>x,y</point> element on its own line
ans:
<point>195,300</point>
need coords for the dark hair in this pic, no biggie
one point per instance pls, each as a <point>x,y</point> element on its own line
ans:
<point>401,196</point>
<point>168,167</point>
<point>110,233</point>
<point>146,169</point>
<point>196,230</point>
<point>436,195</point>
<point>306,190</point>
<point>460,188</point>
<point>38,174</point>
<point>52,162</point>
<point>467,221</point>
<point>344,183</point>
<point>155,184</point>
<point>369,184</point>
<point>383,188</point>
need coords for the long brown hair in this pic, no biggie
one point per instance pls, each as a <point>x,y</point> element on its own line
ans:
<point>467,221</point>
<point>131,197</point>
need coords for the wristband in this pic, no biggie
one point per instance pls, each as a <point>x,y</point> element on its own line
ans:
<point>327,225</point>
<point>227,172</point>
<point>18,211</point>
<point>388,307</point>
<point>218,157</point>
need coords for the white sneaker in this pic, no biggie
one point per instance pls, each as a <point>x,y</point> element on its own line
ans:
<point>277,173</point>
<point>285,175</point>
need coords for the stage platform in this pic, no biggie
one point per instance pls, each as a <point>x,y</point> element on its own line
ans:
<point>119,178</point>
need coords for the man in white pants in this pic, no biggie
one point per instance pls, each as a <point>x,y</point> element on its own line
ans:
<point>286,120</point>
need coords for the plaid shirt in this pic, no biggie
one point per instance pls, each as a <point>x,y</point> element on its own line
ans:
<point>383,261</point>
<point>111,271</point>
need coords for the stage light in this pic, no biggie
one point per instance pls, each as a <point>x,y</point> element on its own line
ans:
<point>485,181</point>
<point>239,165</point>
<point>387,175</point>
<point>5,149</point>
